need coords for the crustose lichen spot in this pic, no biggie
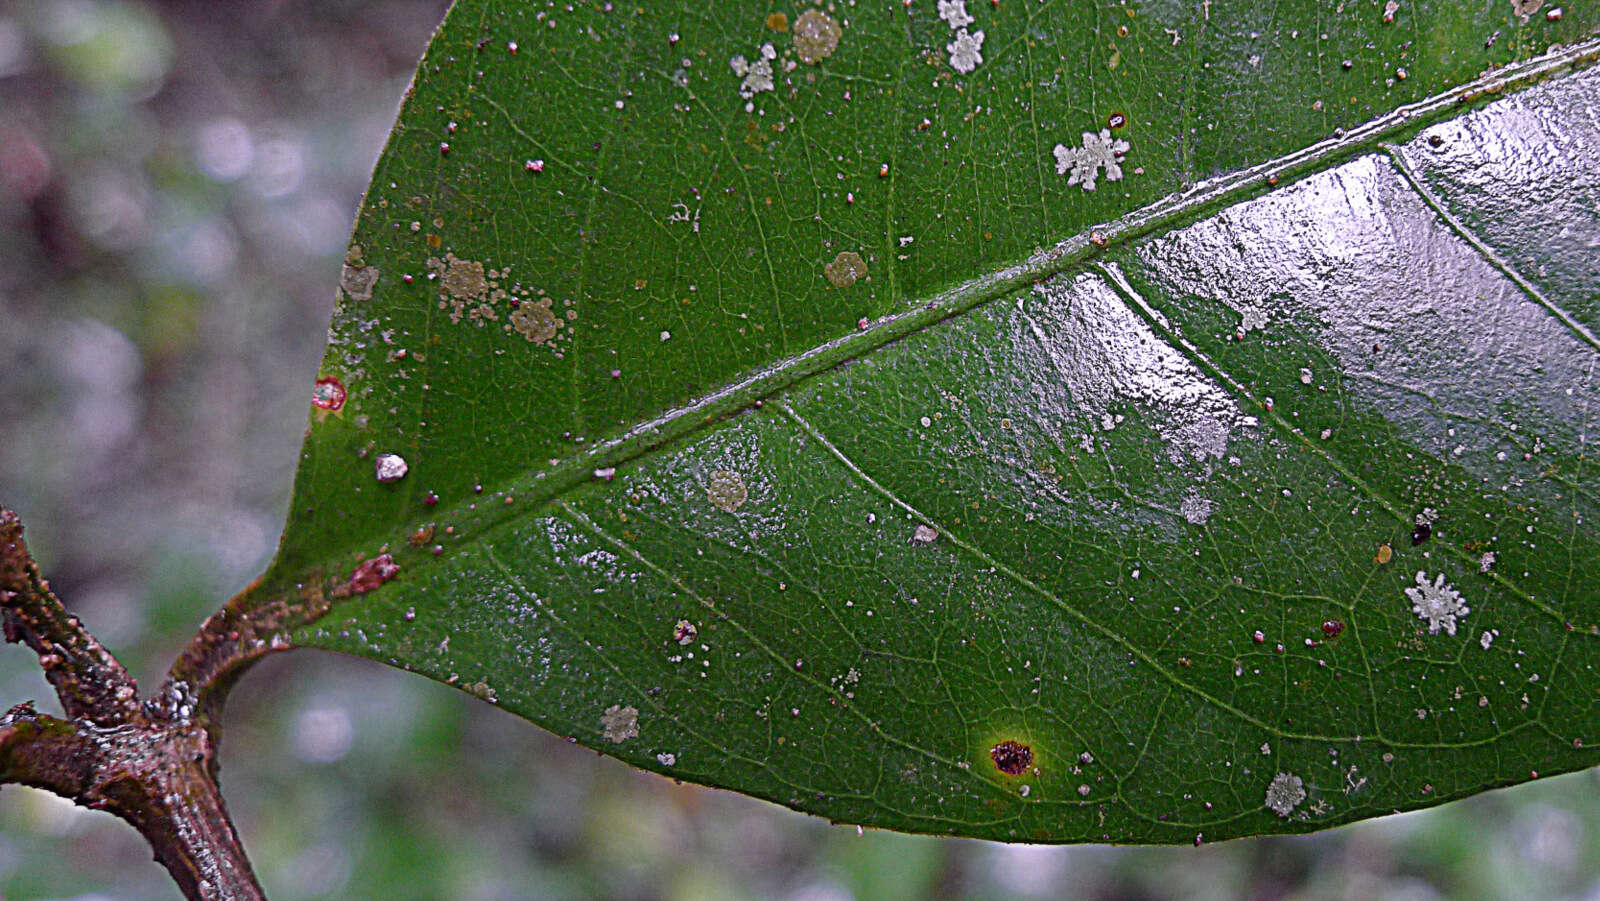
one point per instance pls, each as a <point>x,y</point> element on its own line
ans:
<point>816,36</point>
<point>463,278</point>
<point>727,491</point>
<point>618,724</point>
<point>358,281</point>
<point>845,269</point>
<point>1284,793</point>
<point>1011,757</point>
<point>534,321</point>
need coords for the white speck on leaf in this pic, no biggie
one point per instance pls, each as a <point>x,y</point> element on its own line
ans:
<point>620,723</point>
<point>955,13</point>
<point>1437,603</point>
<point>667,758</point>
<point>757,75</point>
<point>391,467</point>
<point>924,534</point>
<point>1284,793</point>
<point>1082,165</point>
<point>1486,562</point>
<point>965,50</point>
<point>1487,638</point>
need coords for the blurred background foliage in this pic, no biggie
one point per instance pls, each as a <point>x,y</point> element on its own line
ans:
<point>177,182</point>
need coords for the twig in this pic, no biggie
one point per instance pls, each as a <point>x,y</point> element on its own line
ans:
<point>154,763</point>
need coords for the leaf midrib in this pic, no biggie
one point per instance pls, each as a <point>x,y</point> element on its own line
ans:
<point>541,487</point>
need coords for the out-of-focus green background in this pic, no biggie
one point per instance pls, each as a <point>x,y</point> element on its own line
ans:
<point>177,181</point>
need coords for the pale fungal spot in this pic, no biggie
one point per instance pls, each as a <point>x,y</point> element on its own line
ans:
<point>535,321</point>
<point>845,269</point>
<point>757,75</point>
<point>966,50</point>
<point>1082,164</point>
<point>1195,509</point>
<point>924,534</point>
<point>816,36</point>
<point>1437,603</point>
<point>1487,638</point>
<point>358,281</point>
<point>391,467</point>
<point>1486,562</point>
<point>667,758</point>
<point>619,723</point>
<point>955,14</point>
<point>1284,793</point>
<point>726,491</point>
<point>1305,376</point>
<point>1526,8</point>
<point>1083,791</point>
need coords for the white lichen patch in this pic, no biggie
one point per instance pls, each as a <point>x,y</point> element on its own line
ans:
<point>727,491</point>
<point>954,13</point>
<point>1082,164</point>
<point>757,76</point>
<point>618,724</point>
<point>966,51</point>
<point>1437,603</point>
<point>924,534</point>
<point>816,36</point>
<point>1284,793</point>
<point>667,758</point>
<point>1195,509</point>
<point>358,281</point>
<point>845,269</point>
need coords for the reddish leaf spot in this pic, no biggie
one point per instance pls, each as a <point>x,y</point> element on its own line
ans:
<point>373,573</point>
<point>1011,757</point>
<point>328,393</point>
<point>1332,628</point>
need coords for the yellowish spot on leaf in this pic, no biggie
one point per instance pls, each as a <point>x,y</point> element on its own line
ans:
<point>845,269</point>
<point>816,36</point>
<point>727,491</point>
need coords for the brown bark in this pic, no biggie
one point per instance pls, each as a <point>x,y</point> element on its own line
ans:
<point>154,764</point>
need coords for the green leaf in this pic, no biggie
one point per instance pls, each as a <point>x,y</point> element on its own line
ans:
<point>826,444</point>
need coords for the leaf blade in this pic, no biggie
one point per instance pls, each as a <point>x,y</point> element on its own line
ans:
<point>596,578</point>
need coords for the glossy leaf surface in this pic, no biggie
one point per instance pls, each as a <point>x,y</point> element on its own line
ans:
<point>749,436</point>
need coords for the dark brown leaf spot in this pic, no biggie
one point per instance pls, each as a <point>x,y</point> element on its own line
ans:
<point>1011,757</point>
